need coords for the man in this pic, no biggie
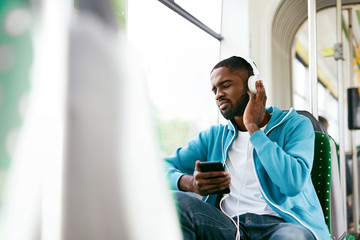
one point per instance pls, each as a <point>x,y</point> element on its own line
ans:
<point>324,122</point>
<point>268,155</point>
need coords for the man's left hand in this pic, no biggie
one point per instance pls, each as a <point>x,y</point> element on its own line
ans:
<point>255,110</point>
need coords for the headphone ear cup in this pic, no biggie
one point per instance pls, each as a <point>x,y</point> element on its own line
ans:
<point>252,83</point>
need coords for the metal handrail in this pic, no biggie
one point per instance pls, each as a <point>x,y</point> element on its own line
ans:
<point>182,12</point>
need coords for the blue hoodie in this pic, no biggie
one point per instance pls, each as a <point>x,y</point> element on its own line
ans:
<point>283,159</point>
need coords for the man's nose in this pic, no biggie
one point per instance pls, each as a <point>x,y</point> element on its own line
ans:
<point>219,94</point>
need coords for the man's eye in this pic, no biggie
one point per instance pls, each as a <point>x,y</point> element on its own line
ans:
<point>227,85</point>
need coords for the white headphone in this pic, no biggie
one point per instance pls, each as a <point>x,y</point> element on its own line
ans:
<point>253,78</point>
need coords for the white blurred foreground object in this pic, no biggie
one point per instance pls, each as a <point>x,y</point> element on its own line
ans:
<point>92,171</point>
<point>32,201</point>
<point>115,187</point>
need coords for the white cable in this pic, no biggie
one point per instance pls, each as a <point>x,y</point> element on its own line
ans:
<point>237,223</point>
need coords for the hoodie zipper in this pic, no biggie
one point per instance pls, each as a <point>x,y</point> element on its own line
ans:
<point>227,148</point>
<point>222,151</point>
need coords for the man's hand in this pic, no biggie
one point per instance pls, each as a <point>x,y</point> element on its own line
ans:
<point>255,110</point>
<point>205,183</point>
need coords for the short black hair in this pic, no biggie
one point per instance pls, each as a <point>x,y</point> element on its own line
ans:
<point>323,120</point>
<point>235,63</point>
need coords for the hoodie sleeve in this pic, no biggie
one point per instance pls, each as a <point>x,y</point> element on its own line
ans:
<point>182,161</point>
<point>288,158</point>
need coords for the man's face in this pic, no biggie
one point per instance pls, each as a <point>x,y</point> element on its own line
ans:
<point>230,89</point>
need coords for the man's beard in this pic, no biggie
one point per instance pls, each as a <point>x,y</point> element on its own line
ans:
<point>236,110</point>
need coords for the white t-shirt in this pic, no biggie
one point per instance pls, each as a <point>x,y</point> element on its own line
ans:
<point>245,195</point>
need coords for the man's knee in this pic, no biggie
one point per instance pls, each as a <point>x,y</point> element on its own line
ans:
<point>288,231</point>
<point>187,201</point>
<point>182,195</point>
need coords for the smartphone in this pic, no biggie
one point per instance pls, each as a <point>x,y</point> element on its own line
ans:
<point>213,167</point>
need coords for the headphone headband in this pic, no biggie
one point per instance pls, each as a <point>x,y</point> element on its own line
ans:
<point>252,64</point>
<point>252,79</point>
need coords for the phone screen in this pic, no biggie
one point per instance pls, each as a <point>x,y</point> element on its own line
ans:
<point>213,167</point>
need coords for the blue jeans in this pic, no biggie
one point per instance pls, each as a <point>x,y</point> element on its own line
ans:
<point>200,220</point>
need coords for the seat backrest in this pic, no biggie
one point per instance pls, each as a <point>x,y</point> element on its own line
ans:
<point>321,174</point>
<point>318,127</point>
<point>325,176</point>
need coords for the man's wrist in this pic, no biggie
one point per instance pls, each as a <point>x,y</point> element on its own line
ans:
<point>252,128</point>
<point>186,183</point>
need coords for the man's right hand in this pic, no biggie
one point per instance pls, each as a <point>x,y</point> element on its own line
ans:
<point>205,183</point>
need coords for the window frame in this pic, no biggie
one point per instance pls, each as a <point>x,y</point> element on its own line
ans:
<point>182,12</point>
